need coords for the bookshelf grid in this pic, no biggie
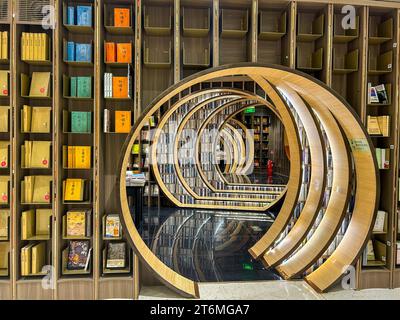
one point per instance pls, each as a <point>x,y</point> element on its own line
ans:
<point>344,70</point>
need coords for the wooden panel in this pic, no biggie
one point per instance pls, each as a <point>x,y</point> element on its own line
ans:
<point>374,279</point>
<point>80,289</point>
<point>116,288</point>
<point>5,290</point>
<point>32,290</point>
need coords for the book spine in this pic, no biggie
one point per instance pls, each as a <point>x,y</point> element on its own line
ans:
<point>106,120</point>
<point>71,16</point>
<point>71,51</point>
<point>73,86</point>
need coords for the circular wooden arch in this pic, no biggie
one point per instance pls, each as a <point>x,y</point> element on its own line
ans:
<point>330,107</point>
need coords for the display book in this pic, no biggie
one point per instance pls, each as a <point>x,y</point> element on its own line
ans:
<point>118,87</point>
<point>375,251</point>
<point>35,47</point>
<point>378,125</point>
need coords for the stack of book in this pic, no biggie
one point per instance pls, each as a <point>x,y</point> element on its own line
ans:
<point>35,154</point>
<point>4,45</point>
<point>4,83</point>
<point>35,46</point>
<point>77,157</point>
<point>75,190</point>
<point>116,87</point>
<point>81,122</point>
<point>33,258</point>
<point>36,223</point>
<point>35,119</point>
<point>80,87</point>
<point>4,216</point>
<point>118,52</point>
<point>378,125</point>
<point>80,16</point>
<point>377,94</point>
<point>78,224</point>
<point>383,158</point>
<point>36,189</point>
<point>122,121</point>
<point>79,52</point>
<point>4,154</point>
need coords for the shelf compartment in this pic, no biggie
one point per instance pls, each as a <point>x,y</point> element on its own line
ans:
<point>381,64</point>
<point>343,64</point>
<point>234,23</point>
<point>65,271</point>
<point>272,25</point>
<point>127,269</point>
<point>388,88</point>
<point>380,32</point>
<point>109,20</point>
<point>76,28</point>
<point>157,58</point>
<point>64,231</point>
<point>26,84</point>
<point>76,63</point>
<point>195,57</point>
<point>157,20</point>
<point>196,22</point>
<point>67,89</point>
<point>311,62</point>
<point>309,28</point>
<point>341,35</point>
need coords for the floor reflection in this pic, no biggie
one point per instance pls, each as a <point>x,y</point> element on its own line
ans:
<point>207,245</point>
<point>258,176</point>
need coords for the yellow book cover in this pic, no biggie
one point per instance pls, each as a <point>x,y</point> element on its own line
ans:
<point>373,126</point>
<point>70,157</point>
<point>4,182</point>
<point>23,46</point>
<point>4,112</point>
<point>4,214</point>
<point>27,224</point>
<point>4,154</point>
<point>27,188</point>
<point>27,154</point>
<point>74,189</point>
<point>45,46</point>
<point>383,122</point>
<point>31,46</point>
<point>38,257</point>
<point>26,117</point>
<point>3,83</point>
<point>43,221</point>
<point>122,121</point>
<point>76,224</point>
<point>40,84</point>
<point>41,189</point>
<point>40,157</point>
<point>26,255</point>
<point>82,156</point>
<point>4,45</point>
<point>36,45</point>
<point>40,120</point>
<point>4,251</point>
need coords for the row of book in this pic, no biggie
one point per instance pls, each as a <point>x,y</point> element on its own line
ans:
<point>122,121</point>
<point>77,157</point>
<point>35,119</point>
<point>80,87</point>
<point>33,258</point>
<point>79,16</point>
<point>377,94</point>
<point>36,224</point>
<point>118,52</point>
<point>80,122</point>
<point>35,154</point>
<point>35,46</point>
<point>75,190</point>
<point>116,87</point>
<point>378,125</point>
<point>383,158</point>
<point>39,84</point>
<point>79,52</point>
<point>4,45</point>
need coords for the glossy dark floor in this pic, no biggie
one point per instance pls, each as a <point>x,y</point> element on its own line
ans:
<point>207,245</point>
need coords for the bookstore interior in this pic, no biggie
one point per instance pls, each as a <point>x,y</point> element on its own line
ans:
<point>176,142</point>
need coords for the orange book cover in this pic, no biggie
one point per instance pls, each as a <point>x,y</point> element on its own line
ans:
<point>120,87</point>
<point>122,17</point>
<point>110,52</point>
<point>124,52</point>
<point>122,121</point>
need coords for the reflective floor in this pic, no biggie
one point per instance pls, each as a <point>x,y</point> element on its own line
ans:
<point>258,176</point>
<point>207,245</point>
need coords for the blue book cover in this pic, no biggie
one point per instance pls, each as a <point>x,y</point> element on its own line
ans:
<point>84,15</point>
<point>71,51</point>
<point>71,16</point>
<point>83,52</point>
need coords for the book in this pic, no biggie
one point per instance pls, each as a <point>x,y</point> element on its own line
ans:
<point>122,17</point>
<point>35,154</point>
<point>71,51</point>
<point>378,125</point>
<point>78,255</point>
<point>73,87</point>
<point>70,16</point>
<point>112,226</point>
<point>4,215</point>
<point>110,52</point>
<point>380,222</point>
<point>116,255</point>
<point>40,84</point>
<point>38,257</point>
<point>83,52</point>
<point>76,224</point>
<point>122,121</point>
<point>77,157</point>
<point>383,158</point>
<point>81,122</point>
<point>27,224</point>
<point>40,120</point>
<point>107,122</point>
<point>4,118</point>
<point>34,46</point>
<point>108,90</point>
<point>124,52</point>
<point>74,189</point>
<point>4,253</point>
<point>84,15</point>
<point>381,93</point>
<point>43,222</point>
<point>4,154</point>
<point>41,189</point>
<point>4,45</point>
<point>26,259</point>
<point>120,87</point>
<point>3,83</point>
<point>84,87</point>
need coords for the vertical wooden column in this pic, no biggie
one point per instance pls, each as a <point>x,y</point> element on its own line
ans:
<point>364,62</point>
<point>328,45</point>
<point>138,61</point>
<point>215,33</point>
<point>177,41</point>
<point>292,34</point>
<point>253,31</point>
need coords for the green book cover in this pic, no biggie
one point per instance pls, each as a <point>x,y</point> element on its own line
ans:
<point>73,86</point>
<point>81,122</point>
<point>84,87</point>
